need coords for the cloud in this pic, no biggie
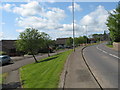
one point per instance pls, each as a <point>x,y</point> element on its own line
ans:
<point>29,9</point>
<point>55,14</point>
<point>112,11</point>
<point>38,23</point>
<point>96,20</point>
<point>1,35</point>
<point>7,7</point>
<point>2,23</point>
<point>69,27</point>
<point>48,19</point>
<point>51,1</point>
<point>76,7</point>
<point>67,30</point>
<point>19,30</point>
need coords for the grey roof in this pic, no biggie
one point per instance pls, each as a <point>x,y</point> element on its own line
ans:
<point>8,44</point>
<point>61,40</point>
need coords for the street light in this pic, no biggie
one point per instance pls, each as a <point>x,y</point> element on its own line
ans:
<point>73,26</point>
<point>86,34</point>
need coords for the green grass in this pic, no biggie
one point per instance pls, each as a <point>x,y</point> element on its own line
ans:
<point>111,46</point>
<point>45,74</point>
<point>3,77</point>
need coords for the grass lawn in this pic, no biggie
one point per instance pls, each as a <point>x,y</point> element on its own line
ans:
<point>111,46</point>
<point>3,77</point>
<point>46,73</point>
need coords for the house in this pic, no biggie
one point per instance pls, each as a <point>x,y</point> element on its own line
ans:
<point>9,47</point>
<point>92,40</point>
<point>60,42</point>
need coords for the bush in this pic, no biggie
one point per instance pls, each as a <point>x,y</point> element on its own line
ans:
<point>2,53</point>
<point>110,43</point>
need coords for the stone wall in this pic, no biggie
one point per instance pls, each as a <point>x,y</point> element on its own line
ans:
<point>116,46</point>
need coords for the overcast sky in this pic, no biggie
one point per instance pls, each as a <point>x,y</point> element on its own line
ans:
<point>54,18</point>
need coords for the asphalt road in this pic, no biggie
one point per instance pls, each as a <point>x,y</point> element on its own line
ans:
<point>77,73</point>
<point>103,62</point>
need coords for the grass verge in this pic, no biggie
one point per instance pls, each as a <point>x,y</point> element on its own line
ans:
<point>3,77</point>
<point>46,73</point>
<point>110,46</point>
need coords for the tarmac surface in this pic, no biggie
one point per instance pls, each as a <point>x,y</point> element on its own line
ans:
<point>103,62</point>
<point>78,74</point>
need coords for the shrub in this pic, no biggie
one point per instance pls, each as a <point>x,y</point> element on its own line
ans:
<point>110,43</point>
<point>2,53</point>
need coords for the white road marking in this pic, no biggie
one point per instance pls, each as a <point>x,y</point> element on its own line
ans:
<point>101,50</point>
<point>104,51</point>
<point>114,56</point>
<point>108,53</point>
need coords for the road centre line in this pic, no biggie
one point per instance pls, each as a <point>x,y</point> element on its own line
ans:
<point>101,50</point>
<point>107,53</point>
<point>114,56</point>
<point>104,51</point>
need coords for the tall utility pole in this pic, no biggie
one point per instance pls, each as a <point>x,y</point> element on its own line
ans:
<point>86,33</point>
<point>73,27</point>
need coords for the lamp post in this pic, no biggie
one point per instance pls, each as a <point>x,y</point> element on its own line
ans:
<point>86,34</point>
<point>73,26</point>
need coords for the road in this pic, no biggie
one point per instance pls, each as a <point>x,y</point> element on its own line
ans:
<point>78,75</point>
<point>103,62</point>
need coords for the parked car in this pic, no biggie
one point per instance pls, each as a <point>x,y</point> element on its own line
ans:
<point>4,59</point>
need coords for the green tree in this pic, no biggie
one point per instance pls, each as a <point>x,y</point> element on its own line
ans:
<point>29,41</point>
<point>105,36</point>
<point>85,39</point>
<point>113,24</point>
<point>69,41</point>
<point>97,37</point>
<point>77,41</point>
<point>81,40</point>
<point>47,42</point>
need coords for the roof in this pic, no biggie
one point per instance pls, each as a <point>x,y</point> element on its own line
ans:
<point>61,40</point>
<point>8,44</point>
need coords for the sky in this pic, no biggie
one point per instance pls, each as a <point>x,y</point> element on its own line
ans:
<point>54,18</point>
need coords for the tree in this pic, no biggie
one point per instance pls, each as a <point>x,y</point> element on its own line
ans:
<point>81,40</point>
<point>85,39</point>
<point>96,37</point>
<point>77,41</point>
<point>46,41</point>
<point>105,36</point>
<point>69,41</point>
<point>113,24</point>
<point>29,41</point>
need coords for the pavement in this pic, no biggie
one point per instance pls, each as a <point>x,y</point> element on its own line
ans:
<point>103,62</point>
<point>77,73</point>
<point>13,80</point>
